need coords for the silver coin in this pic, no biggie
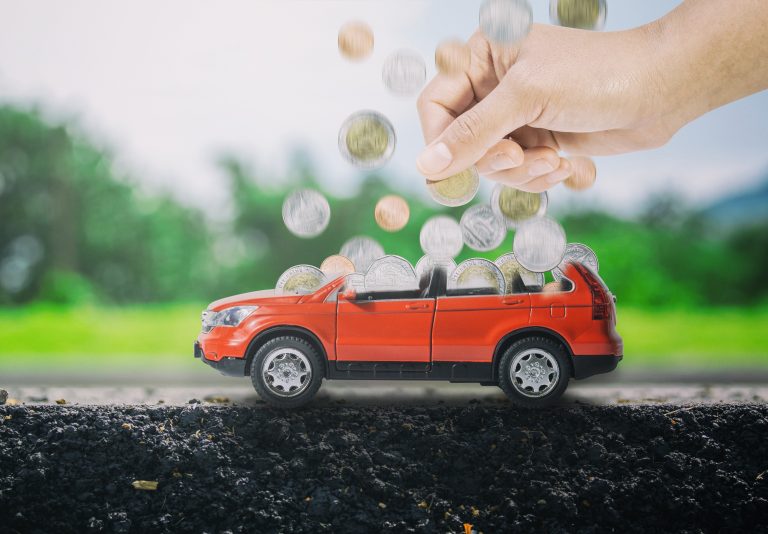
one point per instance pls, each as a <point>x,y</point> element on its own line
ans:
<point>579,253</point>
<point>581,14</point>
<point>427,263</point>
<point>505,22</point>
<point>482,229</point>
<point>367,139</point>
<point>478,273</point>
<point>539,244</point>
<point>363,251</point>
<point>516,206</point>
<point>510,267</point>
<point>390,273</point>
<point>306,213</point>
<point>355,281</point>
<point>404,72</point>
<point>300,279</point>
<point>441,237</point>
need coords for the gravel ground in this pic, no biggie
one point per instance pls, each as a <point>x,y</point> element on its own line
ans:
<point>340,467</point>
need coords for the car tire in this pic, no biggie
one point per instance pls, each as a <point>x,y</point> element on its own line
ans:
<point>534,371</point>
<point>286,372</point>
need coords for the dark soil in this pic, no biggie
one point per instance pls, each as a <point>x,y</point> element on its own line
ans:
<point>381,469</point>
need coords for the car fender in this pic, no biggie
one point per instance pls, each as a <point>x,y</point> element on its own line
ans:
<point>520,333</point>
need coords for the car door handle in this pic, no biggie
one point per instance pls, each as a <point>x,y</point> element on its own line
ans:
<point>416,306</point>
<point>512,302</point>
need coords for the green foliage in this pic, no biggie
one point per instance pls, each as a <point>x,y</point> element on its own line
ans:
<point>71,230</point>
<point>61,287</point>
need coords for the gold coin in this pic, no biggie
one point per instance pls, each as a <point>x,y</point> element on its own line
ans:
<point>335,266</point>
<point>302,282</point>
<point>392,213</point>
<point>516,206</point>
<point>477,276</point>
<point>367,139</point>
<point>582,14</point>
<point>455,190</point>
<point>355,40</point>
<point>452,57</point>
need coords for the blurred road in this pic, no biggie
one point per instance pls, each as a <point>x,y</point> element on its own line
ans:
<point>163,386</point>
<point>388,393</point>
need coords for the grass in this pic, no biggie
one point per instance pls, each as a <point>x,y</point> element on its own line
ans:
<point>42,337</point>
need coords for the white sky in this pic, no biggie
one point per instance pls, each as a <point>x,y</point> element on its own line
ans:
<point>170,85</point>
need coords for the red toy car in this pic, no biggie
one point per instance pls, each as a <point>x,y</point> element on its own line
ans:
<point>528,343</point>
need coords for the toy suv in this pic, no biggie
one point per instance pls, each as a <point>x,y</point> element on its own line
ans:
<point>530,343</point>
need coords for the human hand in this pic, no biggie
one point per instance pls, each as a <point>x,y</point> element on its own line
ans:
<point>515,109</point>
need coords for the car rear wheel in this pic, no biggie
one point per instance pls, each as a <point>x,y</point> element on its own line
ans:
<point>534,371</point>
<point>286,372</point>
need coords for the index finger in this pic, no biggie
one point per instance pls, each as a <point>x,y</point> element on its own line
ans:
<point>441,101</point>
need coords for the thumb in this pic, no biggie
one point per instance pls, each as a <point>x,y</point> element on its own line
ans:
<point>471,134</point>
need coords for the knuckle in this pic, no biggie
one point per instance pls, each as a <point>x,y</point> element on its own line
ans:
<point>468,127</point>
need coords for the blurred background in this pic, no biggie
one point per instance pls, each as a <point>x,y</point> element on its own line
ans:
<point>146,149</point>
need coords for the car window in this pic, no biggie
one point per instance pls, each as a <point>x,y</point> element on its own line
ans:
<point>390,295</point>
<point>454,291</point>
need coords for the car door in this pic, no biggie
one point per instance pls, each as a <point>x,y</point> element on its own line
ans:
<point>468,327</point>
<point>383,328</point>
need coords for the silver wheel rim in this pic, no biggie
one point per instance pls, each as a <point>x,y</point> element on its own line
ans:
<point>286,372</point>
<point>534,373</point>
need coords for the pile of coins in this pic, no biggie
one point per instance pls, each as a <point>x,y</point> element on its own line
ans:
<point>367,141</point>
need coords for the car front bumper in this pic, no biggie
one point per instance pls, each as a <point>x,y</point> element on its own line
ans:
<point>226,366</point>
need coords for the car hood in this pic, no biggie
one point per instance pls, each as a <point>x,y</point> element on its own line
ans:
<point>264,297</point>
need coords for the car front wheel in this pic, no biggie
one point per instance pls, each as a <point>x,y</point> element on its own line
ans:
<point>534,371</point>
<point>286,372</point>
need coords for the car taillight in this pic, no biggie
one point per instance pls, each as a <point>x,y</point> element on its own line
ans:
<point>601,305</point>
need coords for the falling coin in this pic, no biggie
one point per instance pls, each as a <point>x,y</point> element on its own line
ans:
<point>355,40</point>
<point>363,251</point>
<point>306,213</point>
<point>581,14</point>
<point>441,237</point>
<point>337,265</point>
<point>427,263</point>
<point>482,229</point>
<point>512,271</point>
<point>367,139</point>
<point>478,273</point>
<point>404,72</point>
<point>392,213</point>
<point>516,206</point>
<point>579,253</point>
<point>505,22</point>
<point>455,190</point>
<point>539,244</point>
<point>300,279</point>
<point>390,273</point>
<point>355,281</point>
<point>452,57</point>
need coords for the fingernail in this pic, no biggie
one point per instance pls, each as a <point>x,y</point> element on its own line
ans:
<point>434,159</point>
<point>539,167</point>
<point>558,176</point>
<point>502,162</point>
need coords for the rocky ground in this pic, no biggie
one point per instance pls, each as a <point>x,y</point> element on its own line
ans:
<point>345,467</point>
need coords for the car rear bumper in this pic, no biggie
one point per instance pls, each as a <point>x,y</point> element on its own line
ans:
<point>586,366</point>
<point>226,366</point>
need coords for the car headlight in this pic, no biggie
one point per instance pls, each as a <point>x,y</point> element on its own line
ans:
<point>229,317</point>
